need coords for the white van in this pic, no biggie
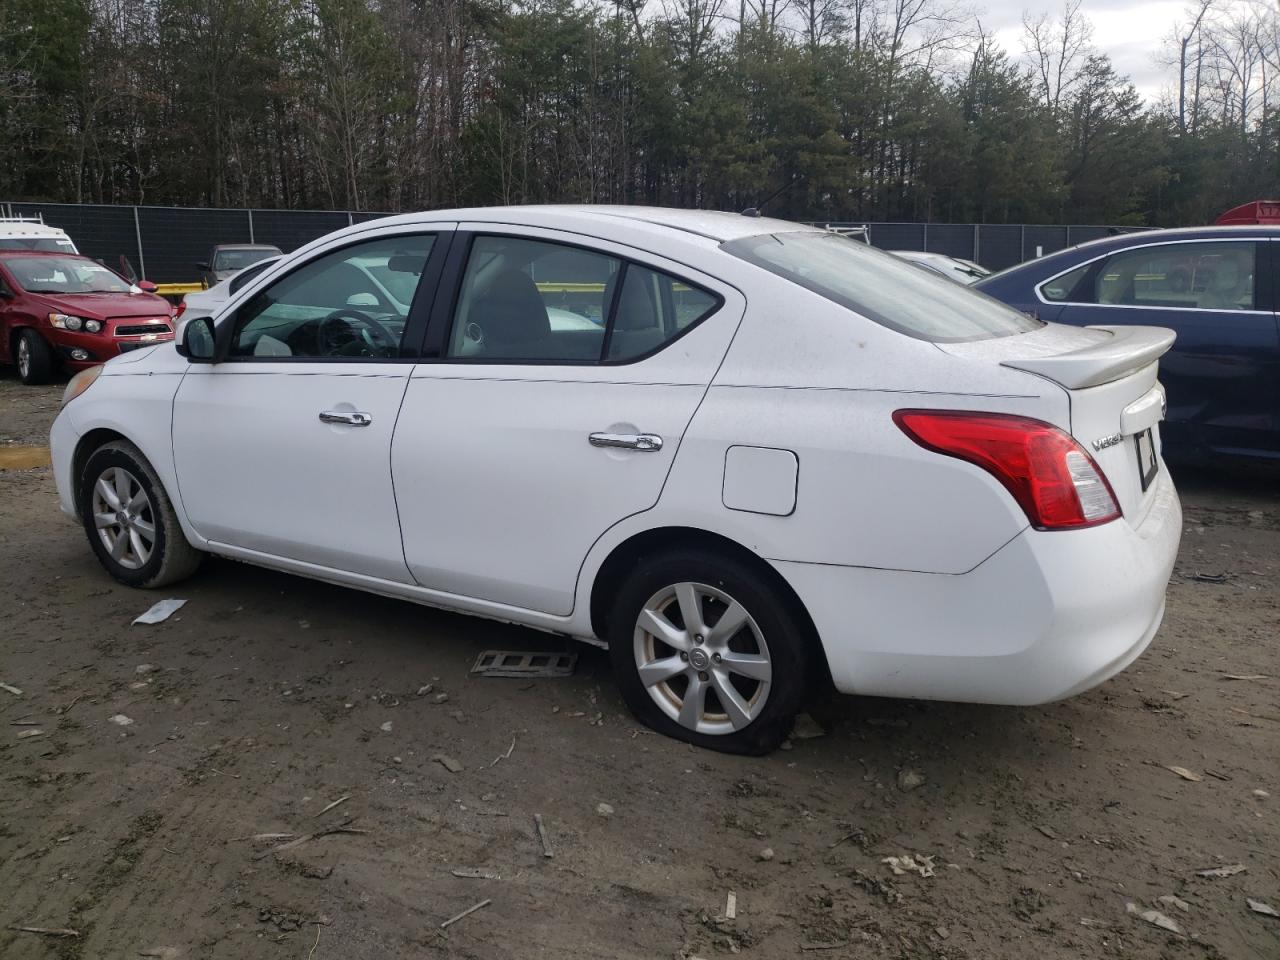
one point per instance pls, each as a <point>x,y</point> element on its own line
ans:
<point>32,233</point>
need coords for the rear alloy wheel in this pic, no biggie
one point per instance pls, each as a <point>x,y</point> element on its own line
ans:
<point>34,358</point>
<point>130,521</point>
<point>707,650</point>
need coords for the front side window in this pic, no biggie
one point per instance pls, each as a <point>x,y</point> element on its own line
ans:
<point>531,300</point>
<point>892,292</point>
<point>65,275</point>
<point>1205,276</point>
<point>336,306</point>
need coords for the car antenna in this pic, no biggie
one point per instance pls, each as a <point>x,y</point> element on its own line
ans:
<point>755,211</point>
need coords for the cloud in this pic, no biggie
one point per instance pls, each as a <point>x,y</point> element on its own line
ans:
<point>1131,32</point>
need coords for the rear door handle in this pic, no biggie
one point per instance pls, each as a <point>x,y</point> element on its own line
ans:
<point>350,419</point>
<point>644,442</point>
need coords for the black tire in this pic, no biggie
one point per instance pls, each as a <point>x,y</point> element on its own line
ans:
<point>33,358</point>
<point>170,558</point>
<point>784,630</point>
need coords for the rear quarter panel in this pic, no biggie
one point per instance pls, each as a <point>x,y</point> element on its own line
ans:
<point>811,377</point>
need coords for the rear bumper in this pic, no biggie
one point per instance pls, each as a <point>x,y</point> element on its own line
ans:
<point>1049,615</point>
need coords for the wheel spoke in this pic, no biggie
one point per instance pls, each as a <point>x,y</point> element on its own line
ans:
<point>730,622</point>
<point>101,520</point>
<point>140,551</point>
<point>657,671</point>
<point>695,698</point>
<point>655,623</point>
<point>122,486</point>
<point>137,501</point>
<point>734,706</point>
<point>107,492</point>
<point>118,546</point>
<point>748,665</point>
<point>148,531</point>
<point>691,609</point>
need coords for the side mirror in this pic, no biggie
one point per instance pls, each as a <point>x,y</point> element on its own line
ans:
<point>146,286</point>
<point>196,341</point>
<point>202,265</point>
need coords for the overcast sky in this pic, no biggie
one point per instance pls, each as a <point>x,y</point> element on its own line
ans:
<point>1130,31</point>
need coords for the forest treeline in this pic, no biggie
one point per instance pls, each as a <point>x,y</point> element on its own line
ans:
<point>843,109</point>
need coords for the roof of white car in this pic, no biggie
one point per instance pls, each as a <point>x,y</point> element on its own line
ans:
<point>28,228</point>
<point>712,224</point>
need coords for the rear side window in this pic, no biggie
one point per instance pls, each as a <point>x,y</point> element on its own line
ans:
<point>1206,276</point>
<point>527,300</point>
<point>892,292</point>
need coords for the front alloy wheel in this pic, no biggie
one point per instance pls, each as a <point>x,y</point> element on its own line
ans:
<point>24,358</point>
<point>710,648</point>
<point>129,519</point>
<point>124,518</point>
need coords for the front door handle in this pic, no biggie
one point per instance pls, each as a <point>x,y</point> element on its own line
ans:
<point>350,419</point>
<point>644,442</point>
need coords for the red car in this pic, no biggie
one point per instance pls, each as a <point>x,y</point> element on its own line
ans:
<point>64,310</point>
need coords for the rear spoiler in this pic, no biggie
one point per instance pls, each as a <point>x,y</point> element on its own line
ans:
<point>1126,351</point>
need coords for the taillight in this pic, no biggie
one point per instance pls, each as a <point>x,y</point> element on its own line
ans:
<point>181,306</point>
<point>1057,484</point>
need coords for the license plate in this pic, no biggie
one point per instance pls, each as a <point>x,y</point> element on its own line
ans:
<point>1148,465</point>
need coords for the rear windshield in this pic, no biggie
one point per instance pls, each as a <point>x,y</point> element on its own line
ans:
<point>892,292</point>
<point>239,259</point>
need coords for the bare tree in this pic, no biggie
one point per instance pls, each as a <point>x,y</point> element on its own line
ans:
<point>1193,32</point>
<point>1058,49</point>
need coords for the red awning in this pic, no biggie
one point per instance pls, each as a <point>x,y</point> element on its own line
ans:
<point>1258,211</point>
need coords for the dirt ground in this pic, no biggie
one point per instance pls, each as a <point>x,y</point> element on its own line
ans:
<point>268,698</point>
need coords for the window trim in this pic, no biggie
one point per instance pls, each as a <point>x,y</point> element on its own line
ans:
<point>440,326</point>
<point>1259,295</point>
<point>419,310</point>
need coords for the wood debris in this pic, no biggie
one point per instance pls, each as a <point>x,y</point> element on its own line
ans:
<point>307,837</point>
<point>465,913</point>
<point>476,873</point>
<point>1186,774</point>
<point>335,803</point>
<point>542,835</point>
<point>49,931</point>
<point>1229,871</point>
<point>10,689</point>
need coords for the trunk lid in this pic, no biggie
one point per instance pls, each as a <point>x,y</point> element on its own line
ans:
<point>1109,375</point>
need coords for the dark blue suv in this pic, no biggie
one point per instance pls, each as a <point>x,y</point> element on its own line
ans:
<point>1214,286</point>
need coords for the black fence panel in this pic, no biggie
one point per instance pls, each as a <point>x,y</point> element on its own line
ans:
<point>999,245</point>
<point>165,243</point>
<point>1040,240</point>
<point>291,229</point>
<point>1078,235</point>
<point>953,239</point>
<point>898,236</point>
<point>175,239</point>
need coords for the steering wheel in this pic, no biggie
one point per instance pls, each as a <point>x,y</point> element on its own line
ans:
<point>333,340</point>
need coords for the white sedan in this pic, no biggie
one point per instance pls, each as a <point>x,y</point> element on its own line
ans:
<point>781,457</point>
